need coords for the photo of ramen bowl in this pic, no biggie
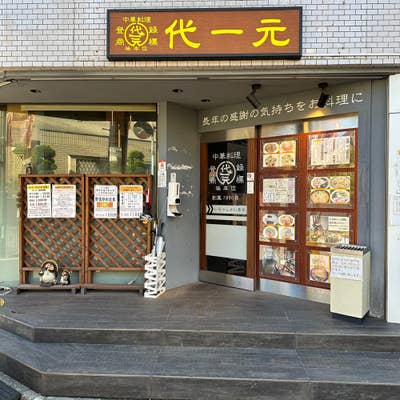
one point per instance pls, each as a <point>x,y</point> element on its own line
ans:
<point>271,147</point>
<point>319,274</point>
<point>270,232</point>
<point>270,219</point>
<point>340,196</point>
<point>340,182</point>
<point>320,197</point>
<point>320,182</point>
<point>288,146</point>
<point>286,220</point>
<point>286,233</point>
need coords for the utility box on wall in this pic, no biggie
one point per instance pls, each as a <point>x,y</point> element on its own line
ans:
<point>350,280</point>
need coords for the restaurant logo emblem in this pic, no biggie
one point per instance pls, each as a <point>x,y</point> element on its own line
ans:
<point>226,173</point>
<point>136,33</point>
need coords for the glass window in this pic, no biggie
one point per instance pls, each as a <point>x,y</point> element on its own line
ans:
<point>66,142</point>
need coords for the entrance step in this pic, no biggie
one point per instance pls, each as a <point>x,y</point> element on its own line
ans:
<point>174,372</point>
<point>195,315</point>
<point>354,338</point>
<point>8,393</point>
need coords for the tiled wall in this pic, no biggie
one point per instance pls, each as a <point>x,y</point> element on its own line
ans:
<point>72,33</point>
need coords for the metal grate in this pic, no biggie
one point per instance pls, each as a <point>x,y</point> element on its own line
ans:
<point>91,166</point>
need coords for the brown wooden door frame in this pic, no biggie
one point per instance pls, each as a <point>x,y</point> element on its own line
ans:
<point>250,201</point>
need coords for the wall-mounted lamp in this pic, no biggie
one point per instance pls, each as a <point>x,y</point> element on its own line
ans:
<point>323,98</point>
<point>251,98</point>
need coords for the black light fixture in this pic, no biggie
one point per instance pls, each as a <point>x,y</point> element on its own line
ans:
<point>251,98</point>
<point>323,98</point>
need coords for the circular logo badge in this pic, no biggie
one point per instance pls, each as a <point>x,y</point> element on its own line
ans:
<point>136,34</point>
<point>226,173</point>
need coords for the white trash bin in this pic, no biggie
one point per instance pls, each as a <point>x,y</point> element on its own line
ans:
<point>350,280</point>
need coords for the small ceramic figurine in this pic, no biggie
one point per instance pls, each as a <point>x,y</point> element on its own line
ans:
<point>65,278</point>
<point>48,273</point>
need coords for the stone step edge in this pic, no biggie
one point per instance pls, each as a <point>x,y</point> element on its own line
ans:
<point>203,338</point>
<point>159,386</point>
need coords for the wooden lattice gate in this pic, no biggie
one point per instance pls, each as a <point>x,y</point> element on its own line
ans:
<point>60,239</point>
<point>84,244</point>
<point>114,244</point>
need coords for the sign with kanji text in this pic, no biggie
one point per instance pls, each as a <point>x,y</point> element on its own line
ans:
<point>205,33</point>
<point>39,200</point>
<point>105,201</point>
<point>130,201</point>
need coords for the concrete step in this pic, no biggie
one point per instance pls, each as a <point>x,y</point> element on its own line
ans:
<point>175,372</point>
<point>343,337</point>
<point>8,393</point>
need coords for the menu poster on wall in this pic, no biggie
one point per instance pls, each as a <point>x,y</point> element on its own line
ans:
<point>279,190</point>
<point>338,224</point>
<point>328,229</point>
<point>64,201</point>
<point>330,151</point>
<point>346,267</point>
<point>130,201</point>
<point>319,267</point>
<point>278,261</point>
<point>277,225</point>
<point>39,201</point>
<point>105,201</point>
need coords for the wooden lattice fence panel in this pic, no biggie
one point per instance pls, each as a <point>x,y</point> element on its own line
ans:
<point>60,239</point>
<point>115,244</point>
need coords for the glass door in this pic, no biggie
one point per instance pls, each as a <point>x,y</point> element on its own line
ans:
<point>227,214</point>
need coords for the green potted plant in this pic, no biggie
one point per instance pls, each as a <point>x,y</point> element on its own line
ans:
<point>43,159</point>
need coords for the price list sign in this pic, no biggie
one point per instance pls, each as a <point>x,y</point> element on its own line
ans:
<point>39,201</point>
<point>130,201</point>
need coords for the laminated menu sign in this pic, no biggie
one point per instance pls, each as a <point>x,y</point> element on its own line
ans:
<point>105,201</point>
<point>330,151</point>
<point>64,201</point>
<point>346,267</point>
<point>338,224</point>
<point>279,190</point>
<point>130,201</point>
<point>39,201</point>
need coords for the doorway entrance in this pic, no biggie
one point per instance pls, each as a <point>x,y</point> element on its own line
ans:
<point>227,209</point>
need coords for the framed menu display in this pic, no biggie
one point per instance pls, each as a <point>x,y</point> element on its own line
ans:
<point>331,191</point>
<point>307,203</point>
<point>326,229</point>
<point>279,261</point>
<point>319,266</point>
<point>277,226</point>
<point>335,149</point>
<point>279,190</point>
<point>279,153</point>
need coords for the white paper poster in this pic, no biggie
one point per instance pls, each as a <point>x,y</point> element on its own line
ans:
<point>130,201</point>
<point>279,190</point>
<point>64,201</point>
<point>338,224</point>
<point>105,201</point>
<point>330,151</point>
<point>162,174</point>
<point>346,267</point>
<point>39,201</point>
